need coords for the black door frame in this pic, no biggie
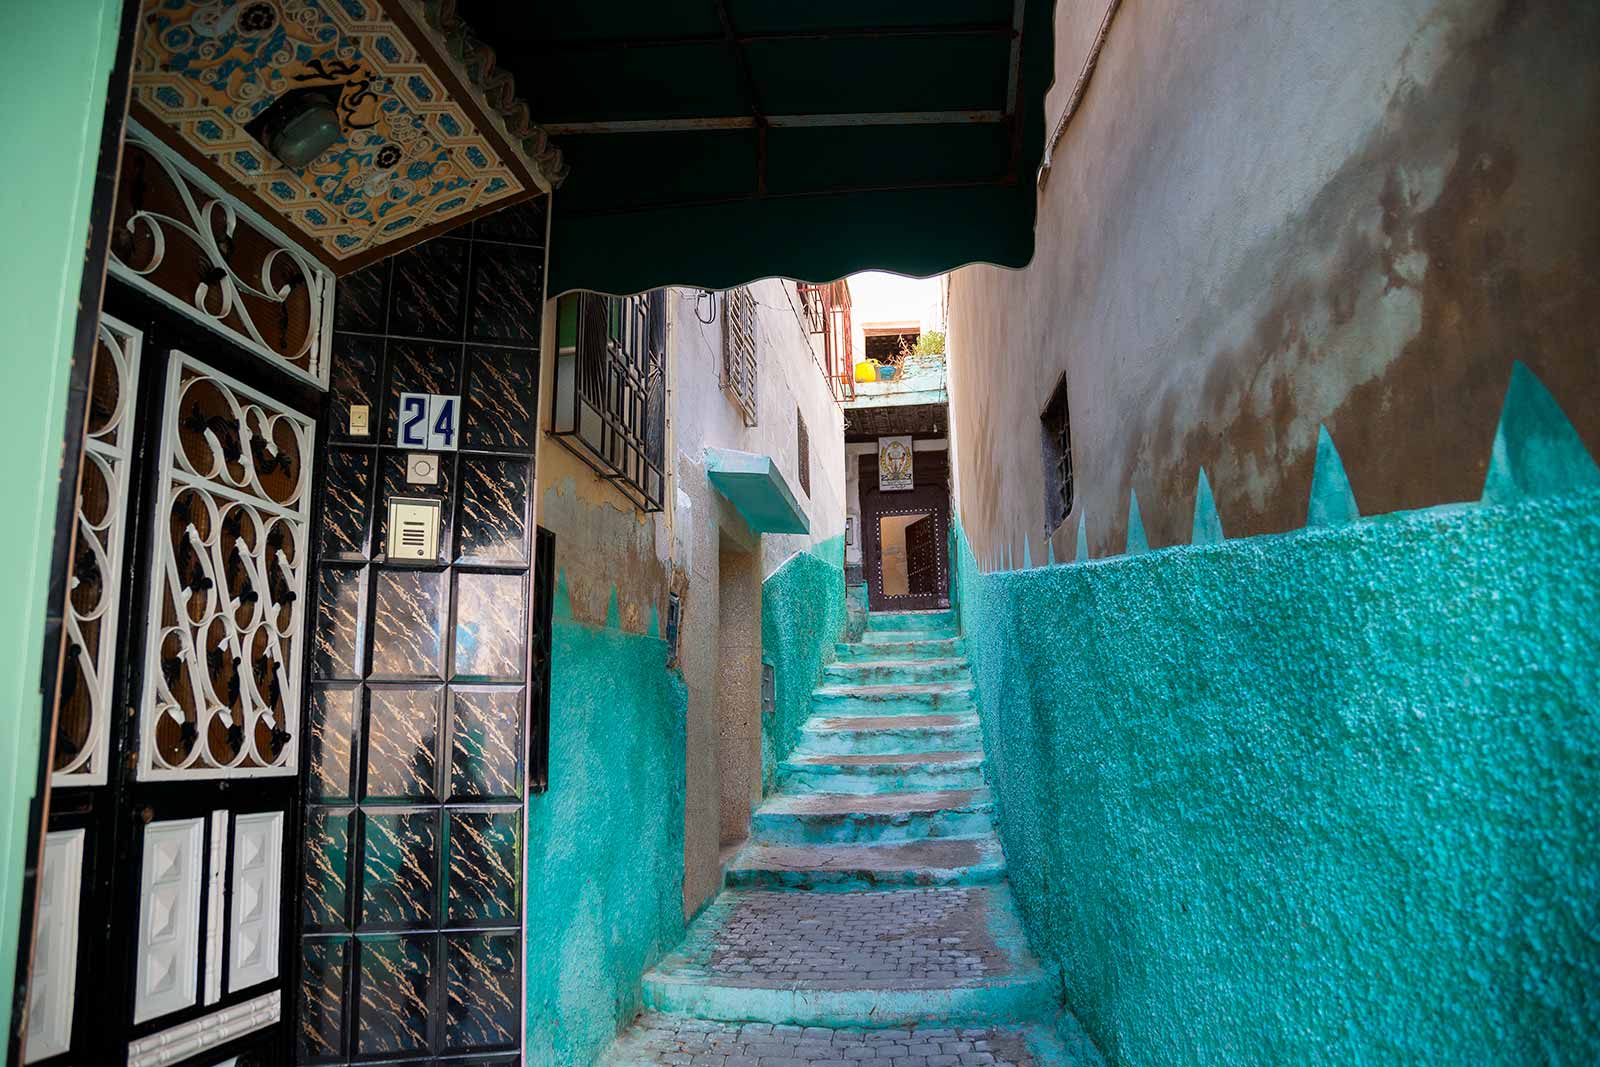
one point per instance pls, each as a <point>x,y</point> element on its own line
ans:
<point>932,497</point>
<point>114,814</point>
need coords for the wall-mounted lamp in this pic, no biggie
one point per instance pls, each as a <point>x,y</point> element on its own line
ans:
<point>299,126</point>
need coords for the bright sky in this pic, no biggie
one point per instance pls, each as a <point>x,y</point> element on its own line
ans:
<point>877,296</point>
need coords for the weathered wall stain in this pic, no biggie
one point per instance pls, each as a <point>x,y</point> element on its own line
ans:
<point>1453,231</point>
<point>606,548</point>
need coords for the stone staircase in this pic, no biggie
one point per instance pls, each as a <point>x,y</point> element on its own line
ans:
<point>868,918</point>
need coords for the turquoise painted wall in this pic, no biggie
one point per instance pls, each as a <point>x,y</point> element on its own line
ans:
<point>55,64</point>
<point>1331,797</point>
<point>605,843</point>
<point>802,617</point>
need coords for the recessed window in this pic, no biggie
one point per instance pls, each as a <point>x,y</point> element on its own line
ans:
<point>610,389</point>
<point>803,452</point>
<point>739,350</point>
<point>1057,426</point>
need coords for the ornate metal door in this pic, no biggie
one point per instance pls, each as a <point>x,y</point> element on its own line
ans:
<point>922,556</point>
<point>166,914</point>
<point>216,750</point>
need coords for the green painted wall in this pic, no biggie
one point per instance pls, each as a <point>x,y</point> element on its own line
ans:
<point>1331,797</point>
<point>55,63</point>
<point>605,844</point>
<point>802,616</point>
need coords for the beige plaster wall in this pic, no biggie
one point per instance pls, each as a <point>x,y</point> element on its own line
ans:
<point>1271,215</point>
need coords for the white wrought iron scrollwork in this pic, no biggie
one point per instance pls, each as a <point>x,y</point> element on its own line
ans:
<point>95,584</point>
<point>223,654</point>
<point>218,295</point>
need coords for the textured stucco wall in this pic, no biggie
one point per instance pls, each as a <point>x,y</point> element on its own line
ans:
<point>605,844</point>
<point>704,523</point>
<point>1330,797</point>
<point>802,617</point>
<point>1273,215</point>
<point>55,65</point>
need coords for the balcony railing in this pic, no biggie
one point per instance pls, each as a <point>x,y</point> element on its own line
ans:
<point>826,309</point>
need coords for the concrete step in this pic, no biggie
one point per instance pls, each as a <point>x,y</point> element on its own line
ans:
<point>896,637</point>
<point>862,735</point>
<point>929,699</point>
<point>942,621</point>
<point>884,818</point>
<point>897,671</point>
<point>874,959</point>
<point>671,1040</point>
<point>920,772</point>
<point>658,1039</point>
<point>940,861</point>
<point>879,651</point>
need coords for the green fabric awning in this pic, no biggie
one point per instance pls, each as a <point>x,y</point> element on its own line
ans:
<point>713,142</point>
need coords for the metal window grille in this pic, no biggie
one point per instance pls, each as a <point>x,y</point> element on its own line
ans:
<point>813,307</point>
<point>610,404</point>
<point>739,350</point>
<point>803,460</point>
<point>826,309</point>
<point>1057,425</point>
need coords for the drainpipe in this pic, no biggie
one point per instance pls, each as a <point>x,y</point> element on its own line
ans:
<point>1082,86</point>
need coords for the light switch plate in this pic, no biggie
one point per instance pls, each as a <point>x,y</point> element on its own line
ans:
<point>413,535</point>
<point>422,468</point>
<point>360,420</point>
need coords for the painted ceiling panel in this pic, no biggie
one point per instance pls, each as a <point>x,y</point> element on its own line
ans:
<point>414,157</point>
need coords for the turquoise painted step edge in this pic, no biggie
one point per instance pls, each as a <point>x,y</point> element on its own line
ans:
<point>863,879</point>
<point>888,740</point>
<point>911,620</point>
<point>1029,995</point>
<point>862,828</point>
<point>893,701</point>
<point>837,778</point>
<point>892,672</point>
<point>935,648</point>
<point>884,637</point>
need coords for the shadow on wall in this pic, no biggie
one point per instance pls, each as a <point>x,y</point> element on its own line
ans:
<point>1324,797</point>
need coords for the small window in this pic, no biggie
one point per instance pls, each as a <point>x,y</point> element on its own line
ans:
<point>803,453</point>
<point>610,389</point>
<point>739,350</point>
<point>1057,425</point>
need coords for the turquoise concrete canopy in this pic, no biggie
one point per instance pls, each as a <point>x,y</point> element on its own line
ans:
<point>712,142</point>
<point>756,488</point>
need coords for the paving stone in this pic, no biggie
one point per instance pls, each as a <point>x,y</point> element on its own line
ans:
<point>660,1040</point>
<point>906,938</point>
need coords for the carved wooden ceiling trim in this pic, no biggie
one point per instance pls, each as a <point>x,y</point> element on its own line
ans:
<point>422,150</point>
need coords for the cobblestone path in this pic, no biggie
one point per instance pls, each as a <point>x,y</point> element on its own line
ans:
<point>868,922</point>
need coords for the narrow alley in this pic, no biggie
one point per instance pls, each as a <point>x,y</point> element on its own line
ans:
<point>872,896</point>
<point>712,533</point>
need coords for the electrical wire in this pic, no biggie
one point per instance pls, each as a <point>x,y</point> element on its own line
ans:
<point>711,307</point>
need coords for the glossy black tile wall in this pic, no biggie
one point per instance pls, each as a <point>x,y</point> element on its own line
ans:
<point>414,786</point>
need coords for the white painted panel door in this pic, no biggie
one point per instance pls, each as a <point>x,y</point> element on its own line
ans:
<point>169,917</point>
<point>53,987</point>
<point>257,899</point>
